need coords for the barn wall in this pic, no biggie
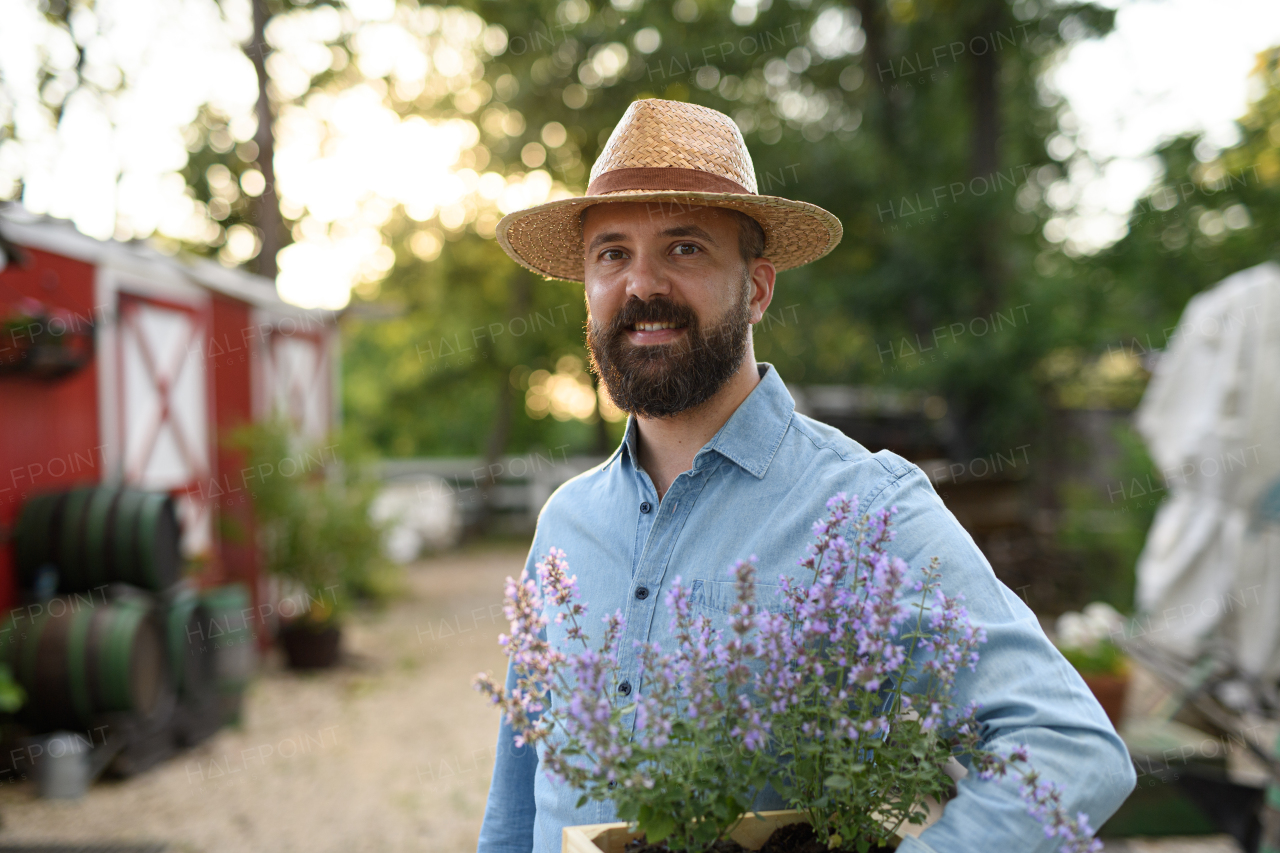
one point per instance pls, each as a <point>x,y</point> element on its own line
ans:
<point>231,351</point>
<point>48,427</point>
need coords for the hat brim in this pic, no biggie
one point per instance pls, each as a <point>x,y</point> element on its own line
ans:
<point>547,239</point>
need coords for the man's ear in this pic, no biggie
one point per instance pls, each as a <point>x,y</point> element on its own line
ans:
<point>763,275</point>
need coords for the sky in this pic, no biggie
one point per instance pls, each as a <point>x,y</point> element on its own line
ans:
<point>1169,67</point>
<point>344,161</point>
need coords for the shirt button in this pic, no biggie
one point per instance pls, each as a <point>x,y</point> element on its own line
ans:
<point>625,688</point>
<point>642,592</point>
<point>646,506</point>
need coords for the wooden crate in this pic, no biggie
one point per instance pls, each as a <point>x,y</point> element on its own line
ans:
<point>613,837</point>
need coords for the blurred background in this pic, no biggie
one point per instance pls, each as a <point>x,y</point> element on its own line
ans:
<point>277,414</point>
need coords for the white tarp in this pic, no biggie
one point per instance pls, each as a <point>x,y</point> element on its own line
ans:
<point>1210,570</point>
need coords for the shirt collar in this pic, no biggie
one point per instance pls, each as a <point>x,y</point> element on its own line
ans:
<point>750,437</point>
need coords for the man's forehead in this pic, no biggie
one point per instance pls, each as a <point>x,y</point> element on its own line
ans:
<point>653,216</point>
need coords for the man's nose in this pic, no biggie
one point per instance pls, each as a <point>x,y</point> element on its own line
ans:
<point>647,278</point>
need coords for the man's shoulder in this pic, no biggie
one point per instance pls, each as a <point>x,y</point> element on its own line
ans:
<point>829,446</point>
<point>586,489</point>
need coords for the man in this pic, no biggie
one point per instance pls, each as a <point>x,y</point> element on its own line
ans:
<point>679,256</point>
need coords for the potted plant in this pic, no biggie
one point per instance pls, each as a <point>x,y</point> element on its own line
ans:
<point>1086,640</point>
<point>43,341</point>
<point>316,537</point>
<point>812,699</point>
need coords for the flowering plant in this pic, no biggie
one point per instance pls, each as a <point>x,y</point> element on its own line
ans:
<point>1086,639</point>
<point>843,701</point>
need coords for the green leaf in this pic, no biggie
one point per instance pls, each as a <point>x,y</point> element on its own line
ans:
<point>582,801</point>
<point>835,780</point>
<point>658,828</point>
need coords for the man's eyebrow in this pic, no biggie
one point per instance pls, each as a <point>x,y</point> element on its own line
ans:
<point>689,231</point>
<point>607,237</point>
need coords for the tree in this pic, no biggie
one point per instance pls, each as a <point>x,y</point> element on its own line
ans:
<point>917,123</point>
<point>1213,214</point>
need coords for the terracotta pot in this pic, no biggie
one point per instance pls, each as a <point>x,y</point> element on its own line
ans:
<point>1109,690</point>
<point>310,648</point>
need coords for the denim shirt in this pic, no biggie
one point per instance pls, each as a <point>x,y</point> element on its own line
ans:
<point>755,489</point>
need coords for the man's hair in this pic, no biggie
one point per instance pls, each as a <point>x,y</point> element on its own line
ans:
<point>750,236</point>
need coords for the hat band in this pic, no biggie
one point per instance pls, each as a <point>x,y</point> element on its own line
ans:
<point>663,178</point>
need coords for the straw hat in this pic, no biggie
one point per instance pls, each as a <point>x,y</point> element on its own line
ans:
<point>669,152</point>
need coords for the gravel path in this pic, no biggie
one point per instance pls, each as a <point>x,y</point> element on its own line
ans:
<point>391,752</point>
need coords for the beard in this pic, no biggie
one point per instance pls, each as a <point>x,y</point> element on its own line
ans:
<point>660,380</point>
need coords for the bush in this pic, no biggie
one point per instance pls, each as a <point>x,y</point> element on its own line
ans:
<point>314,526</point>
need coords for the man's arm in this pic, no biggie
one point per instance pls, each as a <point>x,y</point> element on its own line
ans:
<point>1028,694</point>
<point>509,813</point>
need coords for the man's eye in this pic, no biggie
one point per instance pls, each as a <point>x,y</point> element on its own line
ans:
<point>612,254</point>
<point>690,246</point>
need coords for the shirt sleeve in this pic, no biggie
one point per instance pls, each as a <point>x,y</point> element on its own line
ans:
<point>1027,691</point>
<point>510,811</point>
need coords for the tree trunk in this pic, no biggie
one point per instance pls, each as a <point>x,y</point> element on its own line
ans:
<point>266,207</point>
<point>985,257</point>
<point>879,64</point>
<point>504,410</point>
<point>984,153</point>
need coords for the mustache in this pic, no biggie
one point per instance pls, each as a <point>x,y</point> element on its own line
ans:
<point>659,309</point>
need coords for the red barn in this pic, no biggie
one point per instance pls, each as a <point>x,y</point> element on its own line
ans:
<point>119,364</point>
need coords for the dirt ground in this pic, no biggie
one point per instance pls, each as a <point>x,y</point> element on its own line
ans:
<point>391,752</point>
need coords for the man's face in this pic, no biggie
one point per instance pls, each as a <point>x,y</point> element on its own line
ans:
<point>670,302</point>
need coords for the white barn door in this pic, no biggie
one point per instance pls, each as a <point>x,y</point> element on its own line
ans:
<point>299,382</point>
<point>165,409</point>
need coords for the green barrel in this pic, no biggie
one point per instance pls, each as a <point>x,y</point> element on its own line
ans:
<point>34,536</point>
<point>71,541</point>
<point>78,658</point>
<point>123,541</point>
<point>99,518</point>
<point>99,534</point>
<point>159,559</point>
<point>191,659</point>
<point>229,633</point>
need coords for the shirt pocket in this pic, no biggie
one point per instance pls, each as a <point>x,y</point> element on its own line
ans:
<point>718,599</point>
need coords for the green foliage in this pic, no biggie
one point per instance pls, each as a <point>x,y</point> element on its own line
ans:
<point>11,693</point>
<point>887,138</point>
<point>706,775</point>
<point>1107,528</point>
<point>1105,658</point>
<point>313,525</point>
<point>441,375</point>
<point>1209,215</point>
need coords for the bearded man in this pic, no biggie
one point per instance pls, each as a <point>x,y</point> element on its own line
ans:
<point>678,255</point>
